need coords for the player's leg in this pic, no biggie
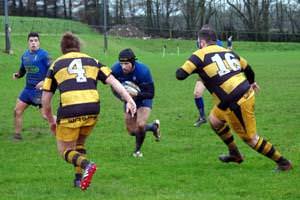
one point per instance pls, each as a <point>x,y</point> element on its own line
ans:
<point>18,114</point>
<point>130,123</point>
<point>80,147</point>
<point>154,127</point>
<point>143,114</point>
<point>90,170</point>
<point>222,129</point>
<point>66,144</point>
<point>198,92</point>
<point>244,123</point>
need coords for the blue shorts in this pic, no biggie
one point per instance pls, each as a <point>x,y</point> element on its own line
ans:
<point>31,97</point>
<point>142,103</point>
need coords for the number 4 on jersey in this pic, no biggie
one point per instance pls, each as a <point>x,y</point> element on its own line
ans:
<point>75,67</point>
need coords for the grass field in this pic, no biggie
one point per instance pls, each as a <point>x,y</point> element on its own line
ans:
<point>184,164</point>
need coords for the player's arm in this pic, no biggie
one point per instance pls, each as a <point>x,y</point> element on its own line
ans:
<point>188,67</point>
<point>147,91</point>
<point>118,87</point>
<point>181,74</point>
<point>20,73</point>
<point>249,73</point>
<point>146,86</point>
<point>47,110</point>
<point>49,88</point>
<point>106,76</point>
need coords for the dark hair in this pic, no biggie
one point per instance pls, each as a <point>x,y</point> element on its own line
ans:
<point>127,55</point>
<point>207,33</point>
<point>33,34</point>
<point>69,43</point>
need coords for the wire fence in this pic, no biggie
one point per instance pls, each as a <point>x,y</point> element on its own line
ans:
<point>21,25</point>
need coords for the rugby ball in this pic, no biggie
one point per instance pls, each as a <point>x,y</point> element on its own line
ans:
<point>131,88</point>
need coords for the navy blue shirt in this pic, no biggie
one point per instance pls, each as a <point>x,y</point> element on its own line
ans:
<point>35,64</point>
<point>140,75</point>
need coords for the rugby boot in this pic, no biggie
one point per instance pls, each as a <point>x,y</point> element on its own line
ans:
<point>284,165</point>
<point>233,156</point>
<point>199,122</point>
<point>17,137</point>
<point>137,154</point>
<point>156,132</point>
<point>88,174</point>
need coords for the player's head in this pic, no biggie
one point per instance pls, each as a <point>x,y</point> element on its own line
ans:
<point>127,60</point>
<point>69,43</point>
<point>206,36</point>
<point>33,40</point>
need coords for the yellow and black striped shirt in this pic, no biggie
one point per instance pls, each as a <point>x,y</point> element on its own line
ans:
<point>221,71</point>
<point>75,75</point>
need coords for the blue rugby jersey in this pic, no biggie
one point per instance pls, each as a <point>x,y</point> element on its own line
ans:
<point>140,75</point>
<point>35,64</point>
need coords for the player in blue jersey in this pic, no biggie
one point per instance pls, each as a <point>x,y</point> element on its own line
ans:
<point>229,43</point>
<point>129,69</point>
<point>34,63</point>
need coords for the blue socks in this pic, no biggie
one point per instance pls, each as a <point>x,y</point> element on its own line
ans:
<point>200,106</point>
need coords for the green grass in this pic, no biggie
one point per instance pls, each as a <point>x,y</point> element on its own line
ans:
<point>21,25</point>
<point>184,164</point>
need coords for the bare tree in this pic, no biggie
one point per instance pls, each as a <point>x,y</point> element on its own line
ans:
<point>149,14</point>
<point>293,13</point>
<point>196,13</point>
<point>55,8</point>
<point>45,8</point>
<point>65,8</point>
<point>31,8</point>
<point>119,12</point>
<point>85,10</point>
<point>70,9</point>
<point>14,7</point>
<point>253,13</point>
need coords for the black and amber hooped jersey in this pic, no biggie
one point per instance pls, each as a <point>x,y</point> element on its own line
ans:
<point>221,71</point>
<point>75,75</point>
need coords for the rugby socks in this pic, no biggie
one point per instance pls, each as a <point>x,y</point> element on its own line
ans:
<point>226,136</point>
<point>75,158</point>
<point>200,106</point>
<point>151,127</point>
<point>139,140</point>
<point>267,149</point>
<point>79,148</point>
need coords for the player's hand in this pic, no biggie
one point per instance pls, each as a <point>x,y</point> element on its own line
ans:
<point>131,108</point>
<point>39,86</point>
<point>53,128</point>
<point>15,76</point>
<point>255,87</point>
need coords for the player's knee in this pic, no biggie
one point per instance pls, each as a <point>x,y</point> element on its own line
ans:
<point>44,116</point>
<point>130,130</point>
<point>197,94</point>
<point>214,123</point>
<point>251,141</point>
<point>141,126</point>
<point>17,112</point>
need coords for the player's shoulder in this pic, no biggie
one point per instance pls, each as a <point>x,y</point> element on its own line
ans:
<point>141,67</point>
<point>26,53</point>
<point>42,53</point>
<point>116,67</point>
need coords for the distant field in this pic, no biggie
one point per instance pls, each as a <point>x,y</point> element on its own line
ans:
<point>184,164</point>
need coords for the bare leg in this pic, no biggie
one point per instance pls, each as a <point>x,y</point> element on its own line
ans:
<point>18,113</point>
